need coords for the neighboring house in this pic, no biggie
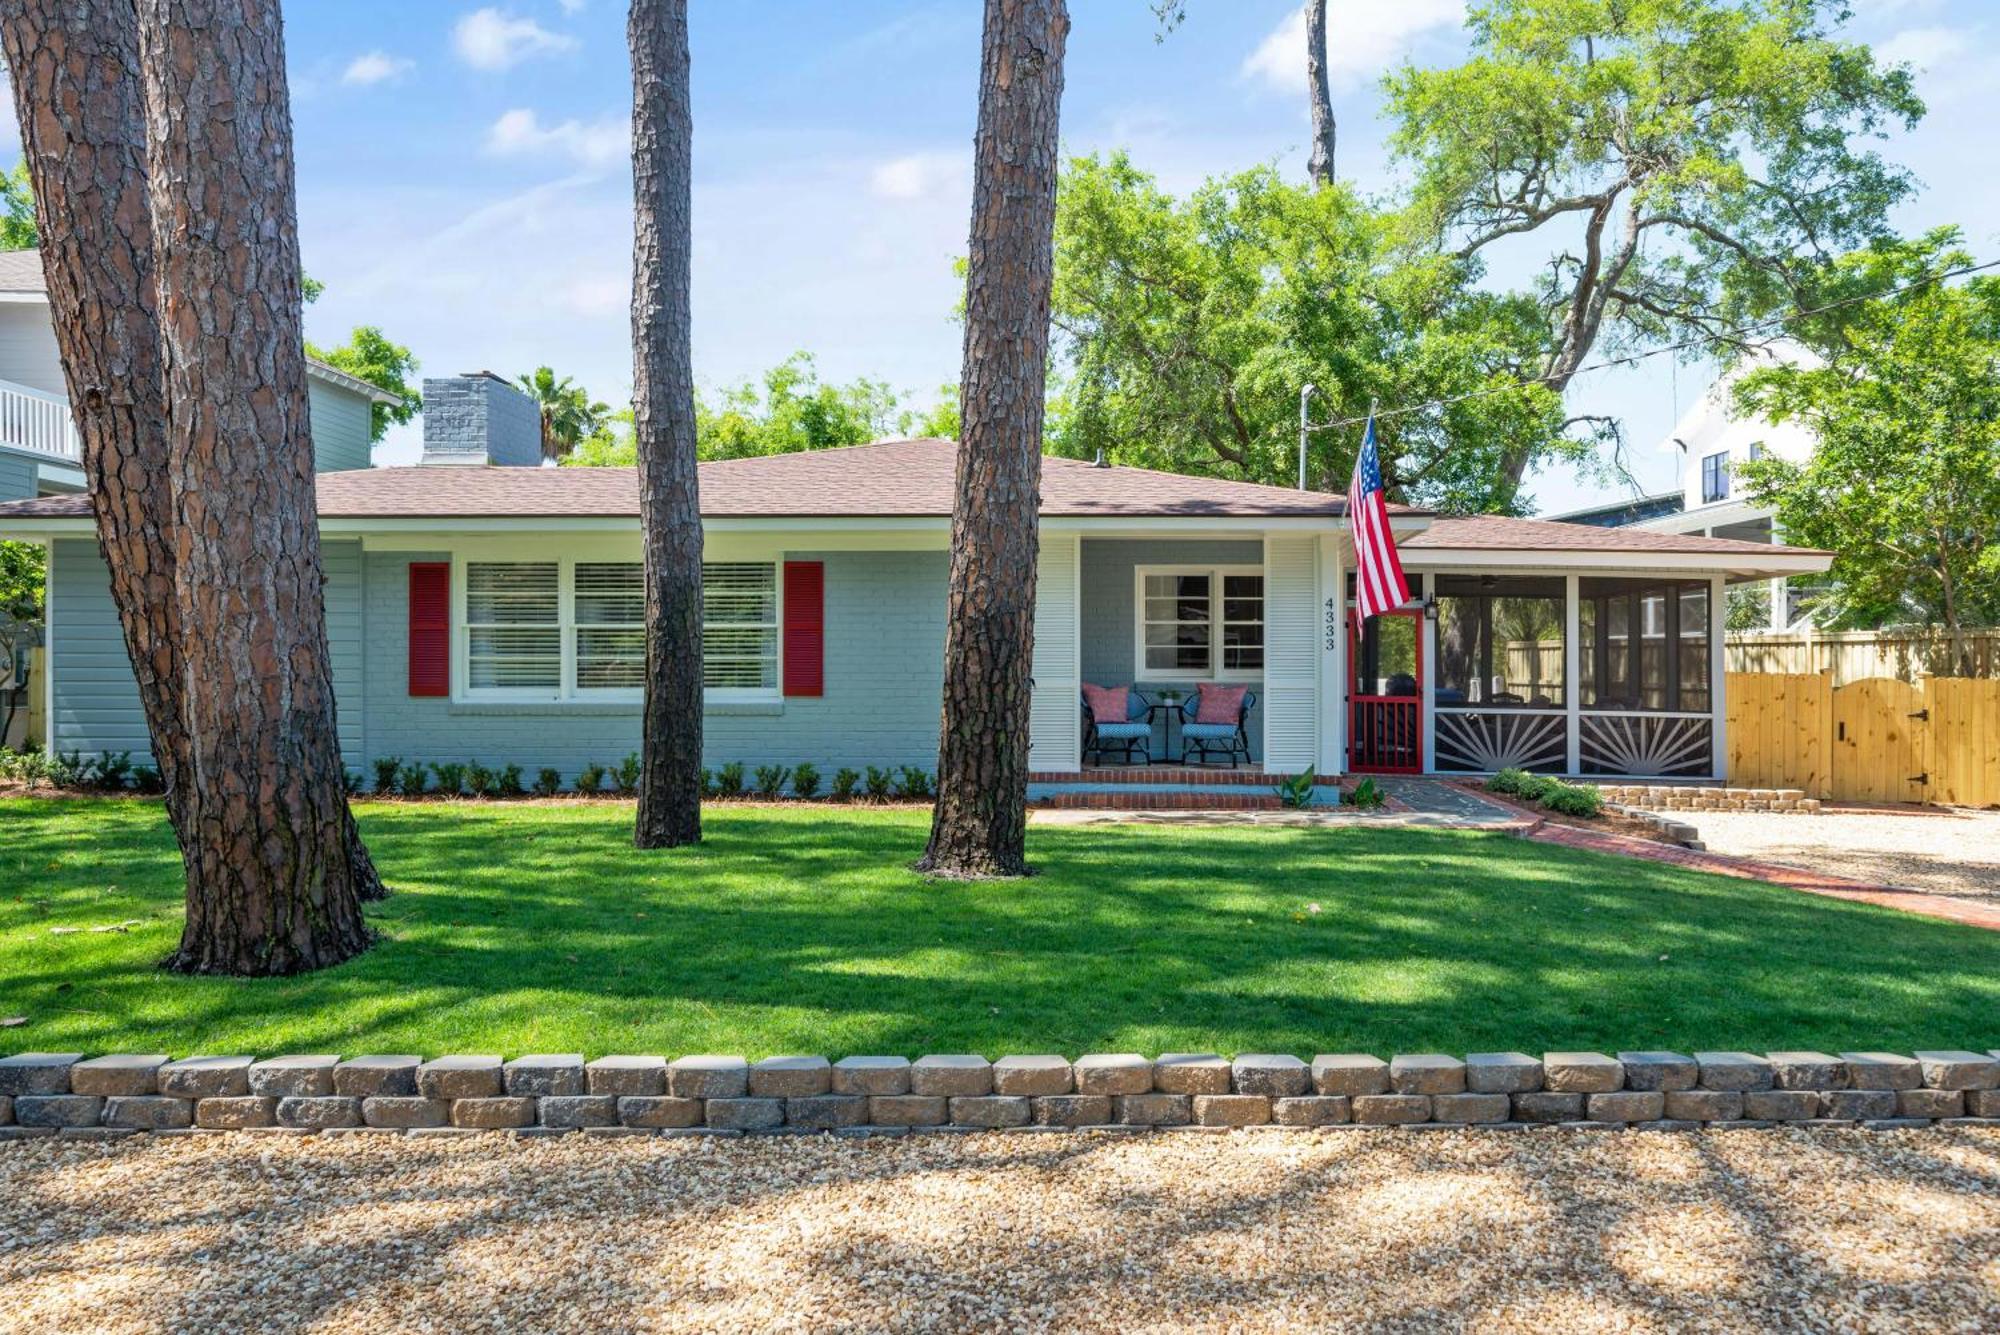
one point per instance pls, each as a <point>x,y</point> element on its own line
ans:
<point>482,609</point>
<point>1710,440</point>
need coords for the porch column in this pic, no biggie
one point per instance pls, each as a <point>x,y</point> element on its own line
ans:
<point>1332,658</point>
<point>1718,617</point>
<point>1293,648</point>
<point>1572,675</point>
<point>1055,724</point>
<point>1427,666</point>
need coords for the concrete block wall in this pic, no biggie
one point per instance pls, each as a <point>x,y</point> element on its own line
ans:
<point>48,1094</point>
<point>479,418</point>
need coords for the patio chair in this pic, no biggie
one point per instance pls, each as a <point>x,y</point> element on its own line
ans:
<point>1229,740</point>
<point>1129,735</point>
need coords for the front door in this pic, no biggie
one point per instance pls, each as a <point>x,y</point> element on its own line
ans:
<point>1385,693</point>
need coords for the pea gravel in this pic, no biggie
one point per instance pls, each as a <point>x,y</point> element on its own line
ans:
<point>1946,852</point>
<point>1751,1230</point>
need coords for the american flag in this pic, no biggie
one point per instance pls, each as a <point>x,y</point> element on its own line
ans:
<point>1379,583</point>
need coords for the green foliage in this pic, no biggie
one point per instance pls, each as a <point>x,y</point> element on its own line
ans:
<point>1747,607</point>
<point>705,782</point>
<point>147,780</point>
<point>509,784</point>
<point>845,781</point>
<point>23,578</point>
<point>771,780</point>
<point>111,772</point>
<point>413,779</point>
<point>450,777</point>
<point>569,414</point>
<point>386,770</point>
<point>1297,791</point>
<point>625,778</point>
<point>479,779</point>
<point>548,781</point>
<point>1367,795</point>
<point>1509,782</point>
<point>590,779</point>
<point>17,209</point>
<point>350,781</point>
<point>1571,799</point>
<point>1187,326</point>
<point>369,355</point>
<point>66,769</point>
<point>805,780</point>
<point>729,780</point>
<point>1904,482</point>
<point>879,784</point>
<point>1686,163</point>
<point>914,782</point>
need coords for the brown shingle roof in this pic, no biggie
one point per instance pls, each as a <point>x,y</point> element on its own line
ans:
<point>1496,533</point>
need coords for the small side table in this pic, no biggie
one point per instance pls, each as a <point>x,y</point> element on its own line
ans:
<point>1171,713</point>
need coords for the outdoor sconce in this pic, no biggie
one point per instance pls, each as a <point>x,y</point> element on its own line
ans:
<point>1430,607</point>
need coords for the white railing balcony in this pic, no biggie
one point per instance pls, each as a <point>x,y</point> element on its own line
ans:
<point>38,421</point>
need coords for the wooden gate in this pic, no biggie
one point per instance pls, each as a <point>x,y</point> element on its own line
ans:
<point>1878,740</point>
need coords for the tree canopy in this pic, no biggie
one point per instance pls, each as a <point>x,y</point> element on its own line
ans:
<point>569,415</point>
<point>1686,163</point>
<point>1904,400</point>
<point>370,355</point>
<point>1187,327</point>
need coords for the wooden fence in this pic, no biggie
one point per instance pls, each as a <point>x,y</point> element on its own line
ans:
<point>1856,655</point>
<point>1875,740</point>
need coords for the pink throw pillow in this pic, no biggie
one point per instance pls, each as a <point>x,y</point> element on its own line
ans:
<point>1219,704</point>
<point>1107,703</point>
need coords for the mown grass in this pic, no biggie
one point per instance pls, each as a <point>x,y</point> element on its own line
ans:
<point>536,927</point>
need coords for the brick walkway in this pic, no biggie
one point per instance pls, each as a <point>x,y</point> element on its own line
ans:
<point>1971,913</point>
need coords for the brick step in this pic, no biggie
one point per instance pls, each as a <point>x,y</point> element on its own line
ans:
<point>1224,778</point>
<point>1205,799</point>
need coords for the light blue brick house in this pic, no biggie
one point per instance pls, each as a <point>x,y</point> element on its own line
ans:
<point>482,607</point>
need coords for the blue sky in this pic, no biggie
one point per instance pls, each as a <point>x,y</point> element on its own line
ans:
<point>463,179</point>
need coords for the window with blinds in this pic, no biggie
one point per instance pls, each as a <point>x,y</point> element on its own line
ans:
<point>739,626</point>
<point>610,626</point>
<point>513,626</point>
<point>1187,632</point>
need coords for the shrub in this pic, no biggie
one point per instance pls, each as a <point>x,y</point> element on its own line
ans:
<point>548,781</point>
<point>66,770</point>
<point>479,779</point>
<point>771,780</point>
<point>351,780</point>
<point>1508,782</point>
<point>729,780</point>
<point>146,779</point>
<point>112,772</point>
<point>450,777</point>
<point>914,783</point>
<point>1297,791</point>
<point>1571,799</point>
<point>412,779</point>
<point>590,779</point>
<point>625,778</point>
<point>845,781</point>
<point>880,784</point>
<point>805,780</point>
<point>1367,795</point>
<point>386,770</point>
<point>509,782</point>
<point>706,780</point>
<point>32,768</point>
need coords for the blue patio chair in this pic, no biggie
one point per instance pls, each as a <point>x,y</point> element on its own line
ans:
<point>1133,733</point>
<point>1231,741</point>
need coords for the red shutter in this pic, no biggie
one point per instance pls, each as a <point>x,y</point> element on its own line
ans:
<point>805,628</point>
<point>430,628</point>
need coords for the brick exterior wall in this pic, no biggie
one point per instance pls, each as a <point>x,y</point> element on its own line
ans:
<point>480,419</point>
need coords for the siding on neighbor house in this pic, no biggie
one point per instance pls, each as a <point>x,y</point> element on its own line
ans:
<point>1109,608</point>
<point>17,476</point>
<point>28,353</point>
<point>884,675</point>
<point>341,422</point>
<point>96,699</point>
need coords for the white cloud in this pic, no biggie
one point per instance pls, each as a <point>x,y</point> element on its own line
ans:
<point>374,67</point>
<point>571,6</point>
<point>520,133</point>
<point>1363,38</point>
<point>918,175</point>
<point>1923,48</point>
<point>487,39</point>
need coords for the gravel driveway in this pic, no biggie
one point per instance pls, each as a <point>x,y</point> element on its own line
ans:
<point>1946,852</point>
<point>1734,1231</point>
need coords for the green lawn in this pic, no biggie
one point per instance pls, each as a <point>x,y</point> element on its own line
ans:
<point>537,928</point>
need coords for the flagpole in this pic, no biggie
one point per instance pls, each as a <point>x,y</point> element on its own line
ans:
<point>1305,397</point>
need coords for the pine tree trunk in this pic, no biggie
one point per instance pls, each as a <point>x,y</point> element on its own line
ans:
<point>76,90</point>
<point>979,825</point>
<point>276,870</point>
<point>663,416</point>
<point>1320,163</point>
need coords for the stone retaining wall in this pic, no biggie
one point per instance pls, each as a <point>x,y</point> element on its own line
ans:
<point>46,1094</point>
<point>1679,797</point>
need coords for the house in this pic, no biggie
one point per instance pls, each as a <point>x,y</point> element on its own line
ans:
<point>1709,441</point>
<point>483,609</point>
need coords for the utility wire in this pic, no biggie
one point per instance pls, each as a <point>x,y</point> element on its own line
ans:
<point>1629,360</point>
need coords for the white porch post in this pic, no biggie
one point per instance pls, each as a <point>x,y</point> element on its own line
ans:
<point>45,661</point>
<point>1292,652</point>
<point>1055,726</point>
<point>1718,690</point>
<point>1332,658</point>
<point>1427,630</point>
<point>1572,674</point>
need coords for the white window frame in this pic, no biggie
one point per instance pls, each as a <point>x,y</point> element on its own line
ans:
<point>1215,670</point>
<point>746,694</point>
<point>463,692</point>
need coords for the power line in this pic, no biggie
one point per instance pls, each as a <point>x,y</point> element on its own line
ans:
<point>1635,357</point>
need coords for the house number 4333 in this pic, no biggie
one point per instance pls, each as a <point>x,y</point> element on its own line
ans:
<point>1332,625</point>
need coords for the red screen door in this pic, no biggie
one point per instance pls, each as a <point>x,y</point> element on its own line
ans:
<point>1385,693</point>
